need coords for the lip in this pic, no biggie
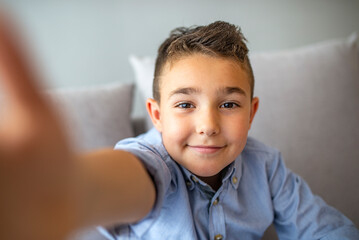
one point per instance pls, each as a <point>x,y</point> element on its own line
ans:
<point>206,149</point>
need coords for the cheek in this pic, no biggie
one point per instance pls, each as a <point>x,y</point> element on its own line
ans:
<point>237,139</point>
<point>237,129</point>
<point>175,129</point>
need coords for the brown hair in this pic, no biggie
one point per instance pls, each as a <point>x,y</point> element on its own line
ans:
<point>219,39</point>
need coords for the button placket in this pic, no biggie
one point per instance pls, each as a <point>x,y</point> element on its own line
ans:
<point>217,220</point>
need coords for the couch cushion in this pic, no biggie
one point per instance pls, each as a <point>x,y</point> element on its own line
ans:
<point>95,116</point>
<point>309,110</point>
<point>144,68</point>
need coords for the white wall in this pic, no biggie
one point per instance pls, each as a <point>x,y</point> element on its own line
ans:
<point>83,42</point>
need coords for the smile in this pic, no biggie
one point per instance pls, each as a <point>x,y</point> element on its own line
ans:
<point>206,149</point>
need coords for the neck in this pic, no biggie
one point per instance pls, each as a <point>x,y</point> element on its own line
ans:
<point>214,181</point>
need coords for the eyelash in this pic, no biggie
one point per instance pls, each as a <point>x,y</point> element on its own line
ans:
<point>233,105</point>
<point>181,105</point>
<point>185,105</point>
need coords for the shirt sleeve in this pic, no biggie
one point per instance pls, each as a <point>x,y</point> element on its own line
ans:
<point>299,214</point>
<point>155,165</point>
<point>152,158</point>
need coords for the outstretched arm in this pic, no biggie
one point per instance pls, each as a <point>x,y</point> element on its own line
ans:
<point>46,191</point>
<point>114,188</point>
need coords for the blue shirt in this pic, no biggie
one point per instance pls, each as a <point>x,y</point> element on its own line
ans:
<point>257,190</point>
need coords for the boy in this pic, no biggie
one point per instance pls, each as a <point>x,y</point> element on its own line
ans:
<point>196,176</point>
<point>211,181</point>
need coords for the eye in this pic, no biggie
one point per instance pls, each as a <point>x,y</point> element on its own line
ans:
<point>184,105</point>
<point>229,105</point>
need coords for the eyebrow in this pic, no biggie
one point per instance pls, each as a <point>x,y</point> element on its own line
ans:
<point>186,91</point>
<point>225,90</point>
<point>230,90</point>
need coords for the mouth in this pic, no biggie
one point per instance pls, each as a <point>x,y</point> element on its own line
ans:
<point>206,149</point>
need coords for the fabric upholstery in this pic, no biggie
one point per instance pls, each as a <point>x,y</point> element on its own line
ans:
<point>95,116</point>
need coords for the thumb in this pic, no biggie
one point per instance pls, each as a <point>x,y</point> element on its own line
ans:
<point>16,75</point>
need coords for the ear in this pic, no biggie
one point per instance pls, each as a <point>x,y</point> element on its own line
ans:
<point>153,110</point>
<point>254,108</point>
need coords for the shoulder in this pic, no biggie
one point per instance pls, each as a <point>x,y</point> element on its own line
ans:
<point>256,153</point>
<point>148,147</point>
<point>255,147</point>
<point>150,142</point>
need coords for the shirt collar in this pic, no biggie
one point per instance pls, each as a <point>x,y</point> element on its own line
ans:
<point>191,179</point>
<point>233,173</point>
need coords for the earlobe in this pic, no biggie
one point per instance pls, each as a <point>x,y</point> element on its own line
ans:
<point>254,108</point>
<point>153,110</point>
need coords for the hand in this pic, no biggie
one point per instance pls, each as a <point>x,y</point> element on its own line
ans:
<point>36,167</point>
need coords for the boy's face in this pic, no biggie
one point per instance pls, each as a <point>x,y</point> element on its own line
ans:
<point>205,112</point>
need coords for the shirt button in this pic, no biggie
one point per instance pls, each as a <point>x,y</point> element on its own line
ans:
<point>218,237</point>
<point>188,183</point>
<point>234,180</point>
<point>194,179</point>
<point>215,202</point>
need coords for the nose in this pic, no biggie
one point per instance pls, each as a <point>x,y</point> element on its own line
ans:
<point>207,122</point>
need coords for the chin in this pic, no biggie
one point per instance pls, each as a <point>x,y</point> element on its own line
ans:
<point>207,171</point>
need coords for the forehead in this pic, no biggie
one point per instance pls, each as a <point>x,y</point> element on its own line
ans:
<point>199,71</point>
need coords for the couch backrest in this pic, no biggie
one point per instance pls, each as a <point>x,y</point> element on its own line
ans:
<point>96,116</point>
<point>309,109</point>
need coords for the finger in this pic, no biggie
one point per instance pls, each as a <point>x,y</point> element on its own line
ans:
<point>27,112</point>
<point>16,75</point>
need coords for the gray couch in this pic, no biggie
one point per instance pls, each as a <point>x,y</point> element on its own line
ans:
<point>309,109</point>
